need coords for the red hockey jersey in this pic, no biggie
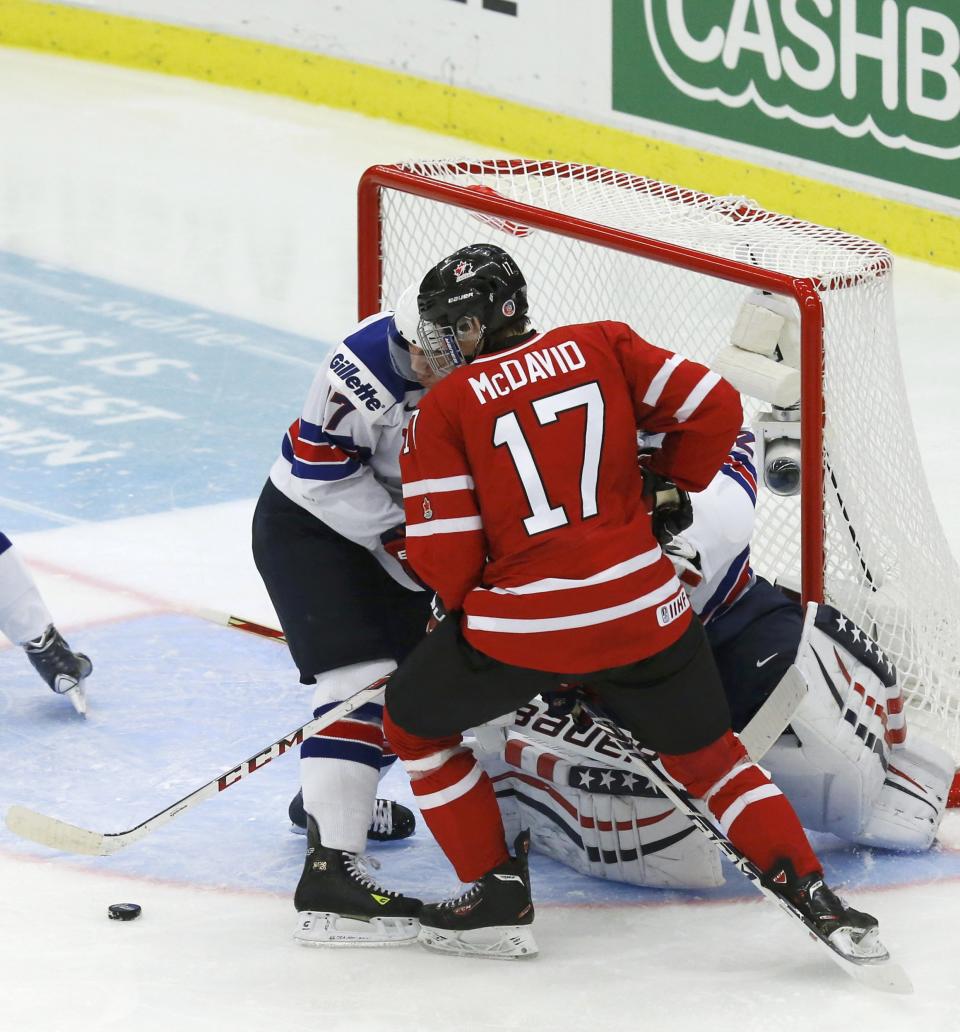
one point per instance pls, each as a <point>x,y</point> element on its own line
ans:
<point>524,502</point>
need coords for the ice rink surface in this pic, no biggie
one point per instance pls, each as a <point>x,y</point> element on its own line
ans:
<point>175,259</point>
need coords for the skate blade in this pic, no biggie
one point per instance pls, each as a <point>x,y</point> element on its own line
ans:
<point>868,949</point>
<point>315,928</point>
<point>875,969</point>
<point>78,699</point>
<point>504,942</point>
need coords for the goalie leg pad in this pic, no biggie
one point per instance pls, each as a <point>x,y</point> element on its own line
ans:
<point>847,769</point>
<point>574,816</point>
<point>840,727</point>
<point>910,807</point>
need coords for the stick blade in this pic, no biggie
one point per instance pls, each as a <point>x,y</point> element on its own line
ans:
<point>886,976</point>
<point>775,714</point>
<point>57,834</point>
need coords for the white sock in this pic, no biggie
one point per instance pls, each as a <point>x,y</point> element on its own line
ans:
<point>339,793</point>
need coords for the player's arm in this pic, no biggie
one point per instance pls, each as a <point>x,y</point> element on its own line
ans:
<point>698,412</point>
<point>446,544</point>
<point>723,515</point>
<point>329,448</point>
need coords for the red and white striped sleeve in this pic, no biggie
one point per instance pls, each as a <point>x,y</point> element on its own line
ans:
<point>698,411</point>
<point>446,544</point>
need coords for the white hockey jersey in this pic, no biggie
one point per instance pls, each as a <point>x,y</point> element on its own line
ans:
<point>340,459</point>
<point>723,519</point>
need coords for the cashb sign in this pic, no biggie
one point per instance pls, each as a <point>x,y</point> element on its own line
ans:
<point>867,85</point>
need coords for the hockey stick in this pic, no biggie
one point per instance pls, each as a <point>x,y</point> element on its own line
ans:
<point>577,743</point>
<point>57,834</point>
<point>761,732</point>
<point>877,973</point>
<point>239,623</point>
<point>770,721</point>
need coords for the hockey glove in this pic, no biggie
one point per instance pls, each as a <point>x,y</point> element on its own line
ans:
<point>437,612</point>
<point>567,702</point>
<point>686,561</point>
<point>671,511</point>
<point>394,543</point>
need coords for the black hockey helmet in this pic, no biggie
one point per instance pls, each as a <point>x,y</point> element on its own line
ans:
<point>480,281</point>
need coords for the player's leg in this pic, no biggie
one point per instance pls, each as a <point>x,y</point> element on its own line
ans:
<point>674,703</point>
<point>333,600</point>
<point>444,687</point>
<point>25,620</point>
<point>754,644</point>
<point>384,619</point>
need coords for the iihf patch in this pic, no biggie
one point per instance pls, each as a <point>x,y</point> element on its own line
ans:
<point>671,610</point>
<point>508,308</point>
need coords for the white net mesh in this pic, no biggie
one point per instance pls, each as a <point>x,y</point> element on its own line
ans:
<point>886,561</point>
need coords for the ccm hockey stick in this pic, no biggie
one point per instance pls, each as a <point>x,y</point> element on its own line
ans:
<point>878,972</point>
<point>57,834</point>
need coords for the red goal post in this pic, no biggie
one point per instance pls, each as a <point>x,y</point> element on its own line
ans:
<point>676,264</point>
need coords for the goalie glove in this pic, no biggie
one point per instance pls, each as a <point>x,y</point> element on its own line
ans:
<point>671,510</point>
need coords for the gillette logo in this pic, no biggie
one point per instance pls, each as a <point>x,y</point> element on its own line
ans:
<point>347,371</point>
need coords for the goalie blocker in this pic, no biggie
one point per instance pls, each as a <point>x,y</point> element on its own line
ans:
<point>844,762</point>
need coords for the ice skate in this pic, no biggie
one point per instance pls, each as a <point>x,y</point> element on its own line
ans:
<point>63,670</point>
<point>491,919</point>
<point>339,903</point>
<point>850,932</point>
<point>391,821</point>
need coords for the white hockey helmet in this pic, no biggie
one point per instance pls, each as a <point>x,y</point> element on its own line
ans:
<point>402,332</point>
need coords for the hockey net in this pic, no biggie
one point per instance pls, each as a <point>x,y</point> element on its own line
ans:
<point>677,265</point>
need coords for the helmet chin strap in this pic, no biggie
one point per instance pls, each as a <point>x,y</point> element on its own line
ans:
<point>479,349</point>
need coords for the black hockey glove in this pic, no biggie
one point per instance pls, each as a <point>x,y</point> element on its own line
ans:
<point>437,612</point>
<point>567,702</point>
<point>671,510</point>
<point>394,543</point>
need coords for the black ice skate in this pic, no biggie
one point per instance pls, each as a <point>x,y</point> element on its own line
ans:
<point>491,919</point>
<point>391,820</point>
<point>850,932</point>
<point>339,903</point>
<point>63,670</point>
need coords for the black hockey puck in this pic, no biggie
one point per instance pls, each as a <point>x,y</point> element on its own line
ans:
<point>123,911</point>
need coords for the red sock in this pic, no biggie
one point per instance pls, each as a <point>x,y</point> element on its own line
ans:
<point>749,808</point>
<point>458,803</point>
<point>456,800</point>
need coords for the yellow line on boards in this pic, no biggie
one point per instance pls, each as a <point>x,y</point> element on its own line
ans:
<point>906,229</point>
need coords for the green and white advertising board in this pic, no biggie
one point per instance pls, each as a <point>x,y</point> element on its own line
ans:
<point>872,86</point>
